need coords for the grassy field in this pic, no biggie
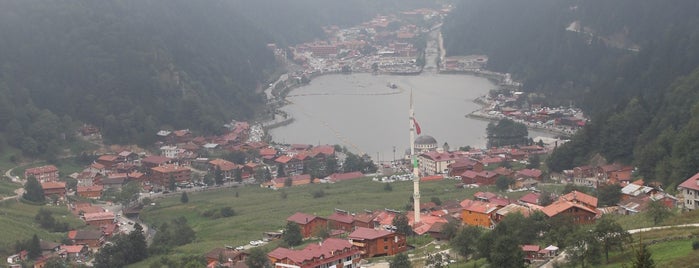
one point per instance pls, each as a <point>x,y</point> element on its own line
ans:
<point>17,223</point>
<point>7,188</point>
<point>259,210</point>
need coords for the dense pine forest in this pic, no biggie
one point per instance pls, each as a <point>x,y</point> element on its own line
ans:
<point>632,65</point>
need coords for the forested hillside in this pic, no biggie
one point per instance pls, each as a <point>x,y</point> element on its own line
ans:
<point>629,64</point>
<point>128,67</point>
<point>132,67</point>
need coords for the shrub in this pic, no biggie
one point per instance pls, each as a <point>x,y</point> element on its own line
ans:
<point>695,245</point>
<point>318,194</point>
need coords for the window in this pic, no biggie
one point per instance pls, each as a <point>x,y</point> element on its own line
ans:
<point>385,239</point>
<point>385,247</point>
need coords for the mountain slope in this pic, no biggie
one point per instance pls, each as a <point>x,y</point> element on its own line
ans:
<point>131,67</point>
<point>629,64</point>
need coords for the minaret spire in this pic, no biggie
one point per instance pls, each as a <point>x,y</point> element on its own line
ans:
<point>413,160</point>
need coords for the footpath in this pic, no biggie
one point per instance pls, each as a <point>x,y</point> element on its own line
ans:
<point>561,258</point>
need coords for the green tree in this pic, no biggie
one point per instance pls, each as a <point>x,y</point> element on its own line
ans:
<point>238,175</point>
<point>450,229</point>
<point>465,241</point>
<point>643,258</point>
<point>611,235</point>
<point>292,234</point>
<point>400,260</point>
<point>218,176</point>
<point>34,247</point>
<point>608,194</point>
<point>400,221</point>
<point>657,212</point>
<point>129,193</point>
<point>55,262</point>
<point>184,198</point>
<point>436,200</point>
<point>506,252</point>
<point>137,249</point>
<point>503,183</point>
<point>506,132</point>
<point>257,259</point>
<point>534,161</point>
<point>33,191</point>
<point>171,183</point>
<point>584,248</point>
<point>387,187</point>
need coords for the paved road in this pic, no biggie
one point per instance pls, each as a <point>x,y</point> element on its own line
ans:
<point>561,258</point>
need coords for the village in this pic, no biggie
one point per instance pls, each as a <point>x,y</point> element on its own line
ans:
<point>183,162</point>
<point>178,166</point>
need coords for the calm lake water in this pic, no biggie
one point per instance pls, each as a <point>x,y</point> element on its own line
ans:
<point>361,112</point>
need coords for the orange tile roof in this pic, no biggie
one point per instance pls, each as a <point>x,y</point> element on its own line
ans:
<point>576,196</point>
<point>223,164</point>
<point>563,205</point>
<point>478,206</point>
<point>53,185</point>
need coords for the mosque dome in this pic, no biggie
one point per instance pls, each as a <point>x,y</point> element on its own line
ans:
<point>425,143</point>
<point>425,140</point>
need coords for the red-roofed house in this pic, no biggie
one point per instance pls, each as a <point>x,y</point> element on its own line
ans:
<point>341,221</point>
<point>323,151</point>
<point>481,178</point>
<point>43,173</point>
<point>580,198</point>
<point>91,238</point>
<point>228,168</point>
<point>155,161</point>
<point>161,175</point>
<point>478,213</point>
<point>94,191</point>
<point>76,252</point>
<point>463,164</point>
<point>57,188</point>
<point>228,255</point>
<point>108,160</point>
<point>531,198</point>
<point>365,220</point>
<point>332,252</point>
<point>374,242</point>
<point>689,191</point>
<point>309,224</point>
<point>579,213</point>
<point>531,252</point>
<point>290,165</point>
<point>99,218</point>
<point>529,174</point>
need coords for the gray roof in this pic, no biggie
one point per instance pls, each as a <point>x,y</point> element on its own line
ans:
<point>425,139</point>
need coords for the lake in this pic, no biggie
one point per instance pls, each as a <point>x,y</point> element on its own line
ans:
<point>361,112</point>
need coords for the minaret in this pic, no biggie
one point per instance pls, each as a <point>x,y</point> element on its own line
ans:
<point>413,159</point>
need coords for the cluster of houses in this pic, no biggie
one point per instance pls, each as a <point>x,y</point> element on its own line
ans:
<point>471,167</point>
<point>81,243</point>
<point>368,234</point>
<point>384,44</point>
<point>512,104</point>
